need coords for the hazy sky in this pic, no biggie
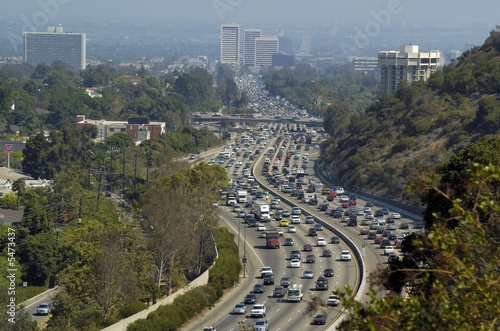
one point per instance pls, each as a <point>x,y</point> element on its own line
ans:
<point>299,12</point>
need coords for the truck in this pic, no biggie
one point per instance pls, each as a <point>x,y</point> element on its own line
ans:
<point>258,310</point>
<point>295,293</point>
<point>310,198</point>
<point>241,196</point>
<point>316,186</point>
<point>272,239</point>
<point>261,211</point>
<point>227,152</point>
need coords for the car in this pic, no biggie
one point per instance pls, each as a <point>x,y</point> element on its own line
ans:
<point>335,240</point>
<point>309,219</point>
<point>265,270</point>
<point>313,232</point>
<point>295,219</point>
<point>309,274</point>
<point>250,298</point>
<point>259,288</point>
<point>385,210</point>
<point>310,258</point>
<point>209,328</point>
<point>404,226</point>
<point>392,227</point>
<point>308,248</point>
<point>263,234</point>
<point>261,325</point>
<point>108,194</point>
<point>345,255</point>
<point>364,231</point>
<point>328,272</point>
<point>384,243</point>
<point>43,309</point>
<point>258,310</point>
<point>333,300</point>
<point>360,212</point>
<point>279,291</point>
<point>418,225</point>
<point>192,157</point>
<point>318,227</point>
<point>379,213</point>
<point>296,211</point>
<point>240,308</point>
<point>292,229</point>
<point>236,208</point>
<point>319,319</point>
<point>396,216</point>
<point>268,279</point>
<point>289,242</point>
<point>386,233</point>
<point>374,225</point>
<point>371,235</point>
<point>321,283</point>
<point>295,263</point>
<point>388,250</point>
<point>242,214</point>
<point>320,241</point>
<point>327,253</point>
<point>286,281</point>
<point>379,230</point>
<point>284,223</point>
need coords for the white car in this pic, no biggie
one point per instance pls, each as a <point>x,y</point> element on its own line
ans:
<point>261,227</point>
<point>333,300</point>
<point>321,241</point>
<point>43,309</point>
<point>396,216</point>
<point>261,325</point>
<point>339,190</point>
<point>296,211</point>
<point>344,198</point>
<point>295,219</point>
<point>389,250</point>
<point>295,263</point>
<point>292,229</point>
<point>345,256</point>
<point>263,234</point>
<point>258,310</point>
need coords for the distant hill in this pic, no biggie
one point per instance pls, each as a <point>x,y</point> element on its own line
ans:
<point>419,127</point>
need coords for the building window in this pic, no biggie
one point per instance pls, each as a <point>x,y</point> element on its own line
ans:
<point>123,130</point>
<point>111,129</point>
<point>424,60</point>
<point>434,60</point>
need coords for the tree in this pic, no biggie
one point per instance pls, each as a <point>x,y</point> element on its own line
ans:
<point>461,281</point>
<point>19,186</point>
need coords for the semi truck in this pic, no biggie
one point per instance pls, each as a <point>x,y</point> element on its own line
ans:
<point>261,211</point>
<point>241,196</point>
<point>295,293</point>
<point>272,239</point>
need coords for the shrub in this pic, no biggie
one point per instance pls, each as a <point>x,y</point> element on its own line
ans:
<point>131,309</point>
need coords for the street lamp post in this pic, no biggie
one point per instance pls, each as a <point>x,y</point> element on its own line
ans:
<point>245,255</point>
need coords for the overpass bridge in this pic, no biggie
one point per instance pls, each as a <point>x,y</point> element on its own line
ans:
<point>310,123</point>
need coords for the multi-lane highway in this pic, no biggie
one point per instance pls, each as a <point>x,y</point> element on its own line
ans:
<point>282,315</point>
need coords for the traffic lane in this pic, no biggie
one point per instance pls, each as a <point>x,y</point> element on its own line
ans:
<point>32,306</point>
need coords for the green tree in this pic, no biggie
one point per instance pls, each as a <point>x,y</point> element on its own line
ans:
<point>19,186</point>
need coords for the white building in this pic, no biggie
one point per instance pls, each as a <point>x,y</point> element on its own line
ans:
<point>249,36</point>
<point>265,47</point>
<point>230,43</point>
<point>407,64</point>
<point>54,45</point>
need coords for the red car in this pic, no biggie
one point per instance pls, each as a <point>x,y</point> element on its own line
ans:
<point>364,231</point>
<point>378,240</point>
<point>345,205</point>
<point>310,259</point>
<point>308,248</point>
<point>327,253</point>
<point>333,194</point>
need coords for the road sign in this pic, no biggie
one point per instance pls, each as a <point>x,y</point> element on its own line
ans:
<point>8,148</point>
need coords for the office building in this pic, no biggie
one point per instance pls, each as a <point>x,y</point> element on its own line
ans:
<point>365,64</point>
<point>407,64</point>
<point>285,45</point>
<point>230,43</point>
<point>55,45</point>
<point>265,47</point>
<point>249,36</point>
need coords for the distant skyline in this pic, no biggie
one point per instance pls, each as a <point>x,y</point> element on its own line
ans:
<point>254,12</point>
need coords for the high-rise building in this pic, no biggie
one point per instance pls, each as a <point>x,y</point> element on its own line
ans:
<point>249,36</point>
<point>265,47</point>
<point>54,45</point>
<point>230,43</point>
<point>407,64</point>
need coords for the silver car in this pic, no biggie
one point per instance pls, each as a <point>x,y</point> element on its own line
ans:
<point>240,308</point>
<point>43,309</point>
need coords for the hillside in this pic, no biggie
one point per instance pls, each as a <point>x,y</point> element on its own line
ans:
<point>419,127</point>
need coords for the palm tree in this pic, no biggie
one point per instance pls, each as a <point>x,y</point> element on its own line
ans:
<point>19,186</point>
